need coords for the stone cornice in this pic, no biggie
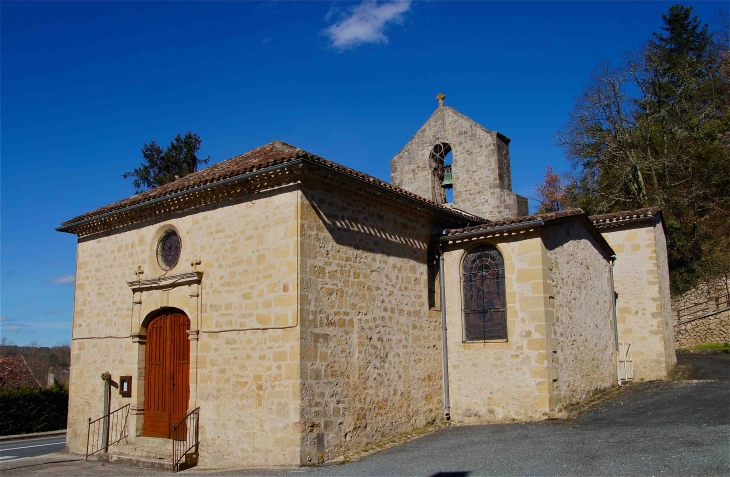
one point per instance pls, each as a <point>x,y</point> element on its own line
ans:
<point>171,281</point>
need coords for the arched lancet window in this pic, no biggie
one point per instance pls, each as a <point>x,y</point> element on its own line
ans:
<point>485,310</point>
<point>441,166</point>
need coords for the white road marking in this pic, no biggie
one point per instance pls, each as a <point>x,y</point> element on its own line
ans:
<point>37,445</point>
<point>5,457</point>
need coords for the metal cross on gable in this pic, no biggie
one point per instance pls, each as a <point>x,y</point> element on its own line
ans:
<point>441,97</point>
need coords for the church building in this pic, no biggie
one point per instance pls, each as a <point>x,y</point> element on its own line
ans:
<point>287,310</point>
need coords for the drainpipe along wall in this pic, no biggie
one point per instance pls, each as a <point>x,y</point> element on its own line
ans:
<point>615,321</point>
<point>442,289</point>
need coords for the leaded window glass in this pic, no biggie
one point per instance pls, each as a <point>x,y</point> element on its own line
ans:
<point>485,313</point>
<point>168,250</point>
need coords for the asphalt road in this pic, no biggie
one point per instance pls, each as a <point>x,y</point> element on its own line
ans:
<point>655,428</point>
<point>24,448</point>
<point>672,428</point>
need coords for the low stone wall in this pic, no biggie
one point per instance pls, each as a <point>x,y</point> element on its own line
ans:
<point>713,328</point>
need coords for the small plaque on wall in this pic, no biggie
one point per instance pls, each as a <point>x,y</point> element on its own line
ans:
<point>125,386</point>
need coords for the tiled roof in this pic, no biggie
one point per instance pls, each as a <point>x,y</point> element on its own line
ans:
<point>455,235</point>
<point>15,373</point>
<point>487,225</point>
<point>618,218</point>
<point>272,154</point>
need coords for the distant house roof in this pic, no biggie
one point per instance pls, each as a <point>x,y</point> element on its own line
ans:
<point>15,373</point>
<point>272,155</point>
<point>615,219</point>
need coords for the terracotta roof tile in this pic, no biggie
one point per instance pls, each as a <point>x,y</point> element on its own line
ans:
<point>618,218</point>
<point>517,220</point>
<point>272,154</point>
<point>15,373</point>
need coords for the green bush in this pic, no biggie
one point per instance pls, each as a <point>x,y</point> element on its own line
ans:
<point>27,410</point>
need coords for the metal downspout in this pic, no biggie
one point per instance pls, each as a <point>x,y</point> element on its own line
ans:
<point>615,322</point>
<point>442,287</point>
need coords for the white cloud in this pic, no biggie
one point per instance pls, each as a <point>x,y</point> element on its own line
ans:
<point>11,324</point>
<point>64,279</point>
<point>366,23</point>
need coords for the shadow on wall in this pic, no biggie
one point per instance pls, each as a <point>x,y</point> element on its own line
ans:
<point>370,228</point>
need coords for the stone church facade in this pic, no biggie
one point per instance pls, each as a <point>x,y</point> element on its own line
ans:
<point>309,310</point>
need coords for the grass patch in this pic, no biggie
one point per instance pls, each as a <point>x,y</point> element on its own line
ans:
<point>712,346</point>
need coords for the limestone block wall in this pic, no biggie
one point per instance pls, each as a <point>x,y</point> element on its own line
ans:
<point>480,168</point>
<point>662,264</point>
<point>582,340</point>
<point>501,381</point>
<point>244,371</point>
<point>714,328</point>
<point>370,351</point>
<point>641,279</point>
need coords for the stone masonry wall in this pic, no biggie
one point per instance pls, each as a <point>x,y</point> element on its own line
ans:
<point>371,353</point>
<point>639,276</point>
<point>701,300</point>
<point>582,344</point>
<point>502,381</point>
<point>481,166</point>
<point>244,371</point>
<point>662,261</point>
<point>710,329</point>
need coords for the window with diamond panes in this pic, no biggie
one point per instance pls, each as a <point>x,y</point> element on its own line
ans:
<point>485,311</point>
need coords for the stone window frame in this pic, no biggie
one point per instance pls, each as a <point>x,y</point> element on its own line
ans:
<point>502,335</point>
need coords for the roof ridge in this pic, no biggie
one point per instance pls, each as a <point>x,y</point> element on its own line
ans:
<point>268,155</point>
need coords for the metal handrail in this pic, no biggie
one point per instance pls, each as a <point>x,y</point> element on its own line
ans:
<point>108,430</point>
<point>185,437</point>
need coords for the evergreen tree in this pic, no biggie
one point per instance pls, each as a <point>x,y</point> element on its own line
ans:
<point>161,167</point>
<point>655,131</point>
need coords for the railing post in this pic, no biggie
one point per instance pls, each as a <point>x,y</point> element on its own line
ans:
<point>106,377</point>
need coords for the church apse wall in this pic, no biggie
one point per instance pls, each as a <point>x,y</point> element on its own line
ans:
<point>641,275</point>
<point>371,352</point>
<point>582,341</point>
<point>242,305</point>
<point>558,347</point>
<point>501,380</point>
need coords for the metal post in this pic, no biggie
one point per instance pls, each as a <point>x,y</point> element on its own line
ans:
<point>106,377</point>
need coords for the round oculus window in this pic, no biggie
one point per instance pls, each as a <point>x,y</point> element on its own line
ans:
<point>168,250</point>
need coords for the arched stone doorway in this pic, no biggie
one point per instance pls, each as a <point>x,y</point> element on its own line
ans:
<point>167,372</point>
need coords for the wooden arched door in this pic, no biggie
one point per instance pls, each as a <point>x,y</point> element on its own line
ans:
<point>167,373</point>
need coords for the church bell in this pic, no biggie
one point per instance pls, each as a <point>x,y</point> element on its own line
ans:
<point>448,181</point>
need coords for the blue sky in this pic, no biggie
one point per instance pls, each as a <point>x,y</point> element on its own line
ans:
<point>85,85</point>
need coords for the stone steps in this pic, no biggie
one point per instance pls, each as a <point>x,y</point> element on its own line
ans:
<point>145,452</point>
<point>136,461</point>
